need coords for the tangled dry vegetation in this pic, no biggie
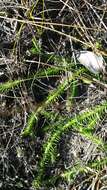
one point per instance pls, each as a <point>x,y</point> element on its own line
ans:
<point>53,116</point>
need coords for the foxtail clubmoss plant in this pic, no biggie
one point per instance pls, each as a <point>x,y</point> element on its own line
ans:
<point>53,96</point>
<point>4,87</point>
<point>75,123</point>
<point>70,174</point>
<point>92,167</point>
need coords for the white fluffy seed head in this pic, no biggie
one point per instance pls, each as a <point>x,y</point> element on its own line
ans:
<point>93,62</point>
